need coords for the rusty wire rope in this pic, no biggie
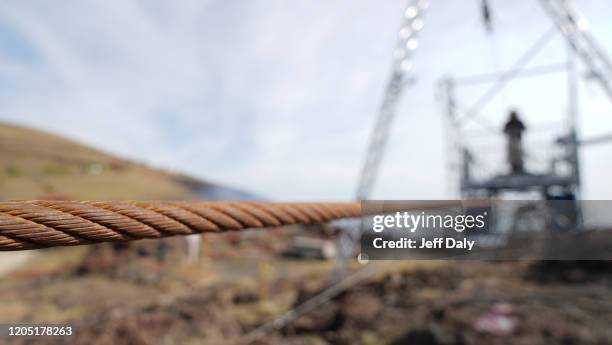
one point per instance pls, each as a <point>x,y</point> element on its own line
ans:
<point>36,224</point>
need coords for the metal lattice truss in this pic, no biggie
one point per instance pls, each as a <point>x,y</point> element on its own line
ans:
<point>401,77</point>
<point>576,30</point>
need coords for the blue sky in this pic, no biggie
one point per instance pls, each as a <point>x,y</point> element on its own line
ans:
<point>278,97</point>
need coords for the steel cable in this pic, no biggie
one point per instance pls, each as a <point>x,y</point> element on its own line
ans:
<point>36,224</point>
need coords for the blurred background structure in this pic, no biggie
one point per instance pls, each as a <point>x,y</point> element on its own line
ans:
<point>262,105</point>
<point>277,100</point>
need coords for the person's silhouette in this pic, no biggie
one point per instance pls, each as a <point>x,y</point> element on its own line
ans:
<point>513,130</point>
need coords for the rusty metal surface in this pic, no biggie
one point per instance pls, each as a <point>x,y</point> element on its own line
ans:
<point>40,223</point>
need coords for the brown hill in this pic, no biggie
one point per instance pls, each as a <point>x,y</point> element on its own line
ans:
<point>36,164</point>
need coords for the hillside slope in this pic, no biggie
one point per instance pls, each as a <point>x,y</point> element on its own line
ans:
<point>35,164</point>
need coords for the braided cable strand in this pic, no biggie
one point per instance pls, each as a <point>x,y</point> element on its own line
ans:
<point>41,223</point>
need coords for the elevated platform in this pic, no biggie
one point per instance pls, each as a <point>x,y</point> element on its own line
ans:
<point>519,182</point>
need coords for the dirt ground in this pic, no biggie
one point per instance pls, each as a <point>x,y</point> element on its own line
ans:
<point>470,303</point>
<point>219,299</point>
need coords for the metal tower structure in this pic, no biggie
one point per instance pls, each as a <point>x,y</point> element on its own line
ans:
<point>401,77</point>
<point>576,30</point>
<point>573,26</point>
<point>562,178</point>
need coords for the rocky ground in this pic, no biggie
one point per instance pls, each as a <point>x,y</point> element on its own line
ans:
<point>425,303</point>
<point>471,303</point>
